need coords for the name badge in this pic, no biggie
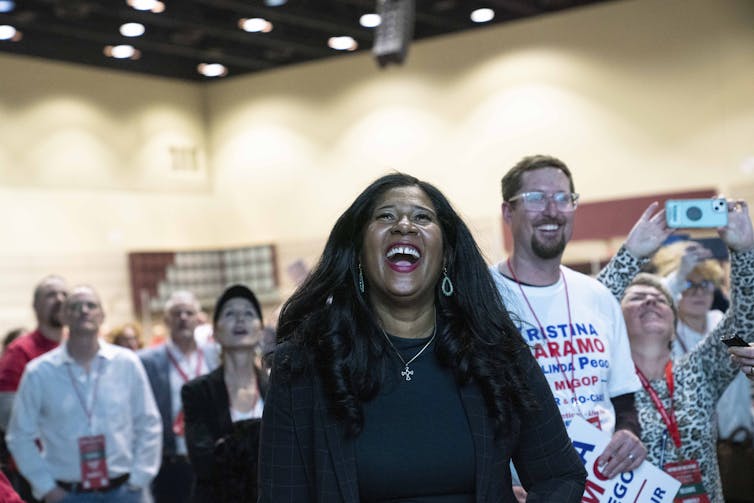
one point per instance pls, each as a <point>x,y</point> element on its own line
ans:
<point>93,462</point>
<point>689,475</point>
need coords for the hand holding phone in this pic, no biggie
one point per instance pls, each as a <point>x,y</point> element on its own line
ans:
<point>734,341</point>
<point>696,213</point>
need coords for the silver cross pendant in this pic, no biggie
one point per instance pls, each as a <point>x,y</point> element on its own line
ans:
<point>407,373</point>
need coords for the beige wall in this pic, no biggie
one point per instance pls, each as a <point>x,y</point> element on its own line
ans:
<point>86,174</point>
<point>637,96</point>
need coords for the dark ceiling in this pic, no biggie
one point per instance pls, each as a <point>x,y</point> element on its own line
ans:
<point>190,32</point>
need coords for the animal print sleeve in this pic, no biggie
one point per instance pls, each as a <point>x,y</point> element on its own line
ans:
<point>619,272</point>
<point>711,356</point>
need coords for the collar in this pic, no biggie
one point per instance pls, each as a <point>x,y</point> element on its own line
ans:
<point>501,265</point>
<point>61,355</point>
<point>177,353</point>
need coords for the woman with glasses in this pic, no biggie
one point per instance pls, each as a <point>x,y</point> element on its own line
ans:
<point>693,278</point>
<point>678,397</point>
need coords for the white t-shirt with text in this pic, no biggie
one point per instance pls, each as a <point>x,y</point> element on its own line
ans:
<point>586,365</point>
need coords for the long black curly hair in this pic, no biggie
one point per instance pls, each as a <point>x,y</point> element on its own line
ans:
<point>328,322</point>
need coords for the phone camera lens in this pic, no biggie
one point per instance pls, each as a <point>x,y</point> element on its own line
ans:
<point>694,213</point>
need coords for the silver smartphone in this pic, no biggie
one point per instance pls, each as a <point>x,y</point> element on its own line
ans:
<point>696,213</point>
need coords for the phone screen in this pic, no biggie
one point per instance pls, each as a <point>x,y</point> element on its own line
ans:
<point>734,341</point>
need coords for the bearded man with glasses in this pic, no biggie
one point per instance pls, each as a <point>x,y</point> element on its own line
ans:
<point>571,322</point>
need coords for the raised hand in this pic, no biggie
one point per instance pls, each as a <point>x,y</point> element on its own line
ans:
<point>738,234</point>
<point>648,233</point>
<point>692,256</point>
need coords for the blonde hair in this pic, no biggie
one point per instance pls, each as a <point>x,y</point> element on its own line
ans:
<point>668,259</point>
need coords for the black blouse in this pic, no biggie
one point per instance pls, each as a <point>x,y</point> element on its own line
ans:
<point>416,445</point>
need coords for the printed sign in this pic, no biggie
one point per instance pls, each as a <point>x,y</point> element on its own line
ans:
<point>646,484</point>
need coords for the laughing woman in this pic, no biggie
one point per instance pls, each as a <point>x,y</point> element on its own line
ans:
<point>399,375</point>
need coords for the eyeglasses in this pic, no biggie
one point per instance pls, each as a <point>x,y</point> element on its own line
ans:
<point>538,200</point>
<point>76,307</point>
<point>704,285</point>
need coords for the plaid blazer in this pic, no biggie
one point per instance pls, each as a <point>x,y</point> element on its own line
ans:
<point>306,457</point>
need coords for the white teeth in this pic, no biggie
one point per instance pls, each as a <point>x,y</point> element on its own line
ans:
<point>403,250</point>
<point>548,227</point>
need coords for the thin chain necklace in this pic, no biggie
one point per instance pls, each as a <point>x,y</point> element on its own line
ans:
<point>407,372</point>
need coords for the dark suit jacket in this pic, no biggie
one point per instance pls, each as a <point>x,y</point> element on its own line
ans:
<point>305,456</point>
<point>157,365</point>
<point>206,409</point>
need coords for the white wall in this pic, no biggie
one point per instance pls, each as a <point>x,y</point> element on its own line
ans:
<point>637,96</point>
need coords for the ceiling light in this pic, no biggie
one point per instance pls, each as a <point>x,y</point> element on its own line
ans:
<point>132,29</point>
<point>121,52</point>
<point>370,20</point>
<point>8,32</point>
<point>7,5</point>
<point>151,5</point>
<point>342,43</point>
<point>255,25</point>
<point>275,3</point>
<point>482,15</point>
<point>212,69</point>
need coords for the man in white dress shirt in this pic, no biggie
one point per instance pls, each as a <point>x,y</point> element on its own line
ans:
<point>90,405</point>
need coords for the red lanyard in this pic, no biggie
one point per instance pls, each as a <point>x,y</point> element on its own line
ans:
<point>667,417</point>
<point>89,412</point>
<point>569,384</point>
<point>183,375</point>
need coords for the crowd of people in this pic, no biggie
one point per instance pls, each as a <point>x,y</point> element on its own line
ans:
<point>404,368</point>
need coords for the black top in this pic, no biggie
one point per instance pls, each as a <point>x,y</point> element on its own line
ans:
<point>223,454</point>
<point>307,456</point>
<point>416,445</point>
